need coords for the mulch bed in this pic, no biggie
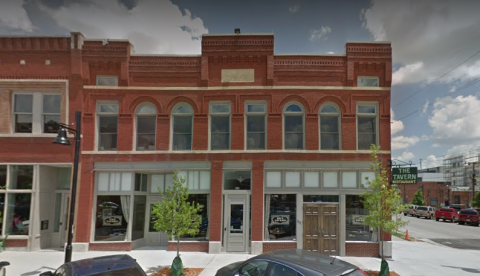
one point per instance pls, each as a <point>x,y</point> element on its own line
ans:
<point>186,271</point>
<point>375,273</point>
<point>196,271</point>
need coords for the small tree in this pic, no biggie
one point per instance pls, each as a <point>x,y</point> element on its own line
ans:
<point>383,202</point>
<point>418,198</point>
<point>476,203</point>
<point>176,217</point>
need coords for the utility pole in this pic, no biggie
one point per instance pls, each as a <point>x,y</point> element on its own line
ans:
<point>474,181</point>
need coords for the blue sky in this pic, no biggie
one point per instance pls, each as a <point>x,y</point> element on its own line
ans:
<point>436,48</point>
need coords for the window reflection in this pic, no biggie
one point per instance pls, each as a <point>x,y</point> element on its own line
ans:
<point>280,216</point>
<point>112,218</point>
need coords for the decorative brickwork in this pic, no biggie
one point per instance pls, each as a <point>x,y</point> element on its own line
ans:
<point>111,246</point>
<point>272,246</point>
<point>188,246</point>
<point>359,249</point>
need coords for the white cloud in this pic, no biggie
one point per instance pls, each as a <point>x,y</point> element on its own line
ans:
<point>13,15</point>
<point>425,107</point>
<point>317,34</point>
<point>439,34</point>
<point>396,126</point>
<point>405,156</point>
<point>152,26</point>
<point>455,121</point>
<point>402,142</point>
<point>294,9</point>
<point>432,161</point>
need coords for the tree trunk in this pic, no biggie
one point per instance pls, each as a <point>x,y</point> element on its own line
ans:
<point>178,247</point>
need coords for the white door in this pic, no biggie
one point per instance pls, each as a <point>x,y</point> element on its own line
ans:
<point>236,226</point>
<point>60,220</point>
<point>152,237</point>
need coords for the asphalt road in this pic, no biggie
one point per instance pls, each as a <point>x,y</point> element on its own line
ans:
<point>446,233</point>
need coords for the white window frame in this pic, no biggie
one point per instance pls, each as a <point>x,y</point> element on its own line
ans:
<point>104,114</point>
<point>37,112</point>
<point>107,78</point>
<point>172,122</point>
<point>135,140</point>
<point>256,114</point>
<point>367,78</point>
<point>284,113</point>
<point>367,115</point>
<point>338,115</point>
<point>210,114</point>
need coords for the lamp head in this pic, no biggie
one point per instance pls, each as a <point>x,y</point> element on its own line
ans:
<point>62,137</point>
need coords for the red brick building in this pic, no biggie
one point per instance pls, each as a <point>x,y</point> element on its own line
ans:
<point>274,147</point>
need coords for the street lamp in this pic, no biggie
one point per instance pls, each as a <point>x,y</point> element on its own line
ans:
<point>63,140</point>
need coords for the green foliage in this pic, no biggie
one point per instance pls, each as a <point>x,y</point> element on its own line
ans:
<point>383,202</point>
<point>418,198</point>
<point>174,215</point>
<point>477,200</point>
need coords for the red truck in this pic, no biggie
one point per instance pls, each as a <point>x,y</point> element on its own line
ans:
<point>468,216</point>
<point>446,213</point>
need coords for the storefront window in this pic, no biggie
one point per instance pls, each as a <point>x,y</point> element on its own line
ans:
<point>2,206</point>
<point>203,233</point>
<point>320,198</point>
<point>355,213</point>
<point>3,177</point>
<point>112,218</point>
<point>18,213</point>
<point>280,216</point>
<point>21,177</point>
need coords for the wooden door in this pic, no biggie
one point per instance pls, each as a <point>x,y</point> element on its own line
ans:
<point>320,228</point>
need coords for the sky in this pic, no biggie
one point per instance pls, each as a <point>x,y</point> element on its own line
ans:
<point>435,99</point>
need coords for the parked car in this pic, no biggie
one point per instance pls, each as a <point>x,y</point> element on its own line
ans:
<point>446,213</point>
<point>291,262</point>
<point>457,207</point>
<point>100,266</point>
<point>425,211</point>
<point>410,210</point>
<point>468,216</point>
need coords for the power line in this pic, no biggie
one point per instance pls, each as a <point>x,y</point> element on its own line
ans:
<point>421,89</point>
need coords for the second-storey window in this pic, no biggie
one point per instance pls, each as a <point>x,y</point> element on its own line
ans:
<point>329,127</point>
<point>366,126</point>
<point>36,112</point>
<point>107,126</point>
<point>146,118</point>
<point>293,119</point>
<point>256,126</point>
<point>220,126</point>
<point>182,120</point>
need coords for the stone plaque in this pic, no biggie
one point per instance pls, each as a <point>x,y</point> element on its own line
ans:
<point>238,75</point>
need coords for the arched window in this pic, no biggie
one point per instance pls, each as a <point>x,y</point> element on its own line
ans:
<point>293,119</point>
<point>182,125</point>
<point>329,127</point>
<point>146,122</point>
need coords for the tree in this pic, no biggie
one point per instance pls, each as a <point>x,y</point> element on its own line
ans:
<point>383,202</point>
<point>177,217</point>
<point>418,198</point>
<point>477,200</point>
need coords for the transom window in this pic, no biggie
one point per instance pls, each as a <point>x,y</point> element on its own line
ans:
<point>293,126</point>
<point>220,126</point>
<point>146,118</point>
<point>36,112</point>
<point>366,126</point>
<point>107,126</point>
<point>107,80</point>
<point>182,120</point>
<point>256,125</point>
<point>368,82</point>
<point>329,127</point>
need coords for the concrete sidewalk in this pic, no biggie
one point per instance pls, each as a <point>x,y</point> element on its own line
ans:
<point>409,259</point>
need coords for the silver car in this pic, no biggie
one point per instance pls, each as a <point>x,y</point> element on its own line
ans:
<point>425,211</point>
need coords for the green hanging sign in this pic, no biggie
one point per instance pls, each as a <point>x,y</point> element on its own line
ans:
<point>407,175</point>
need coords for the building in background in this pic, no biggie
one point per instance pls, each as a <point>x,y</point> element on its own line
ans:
<point>274,147</point>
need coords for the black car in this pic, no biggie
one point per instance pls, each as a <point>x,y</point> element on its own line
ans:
<point>100,266</point>
<point>291,262</point>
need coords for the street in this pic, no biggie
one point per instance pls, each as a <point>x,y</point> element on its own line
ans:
<point>446,233</point>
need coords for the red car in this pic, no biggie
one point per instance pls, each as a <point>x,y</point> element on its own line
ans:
<point>446,213</point>
<point>468,216</point>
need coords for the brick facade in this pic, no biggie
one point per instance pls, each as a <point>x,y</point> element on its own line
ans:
<point>164,81</point>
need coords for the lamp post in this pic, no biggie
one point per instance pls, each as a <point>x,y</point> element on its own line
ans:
<point>63,140</point>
